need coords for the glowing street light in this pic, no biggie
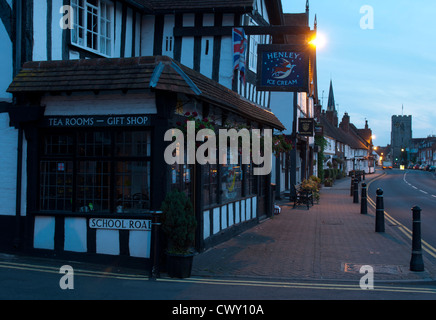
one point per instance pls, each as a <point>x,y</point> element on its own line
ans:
<point>319,41</point>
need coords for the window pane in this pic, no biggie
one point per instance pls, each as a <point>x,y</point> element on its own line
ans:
<point>56,185</point>
<point>210,184</point>
<point>94,144</point>
<point>57,145</point>
<point>231,181</point>
<point>133,143</point>
<point>93,186</point>
<point>132,186</point>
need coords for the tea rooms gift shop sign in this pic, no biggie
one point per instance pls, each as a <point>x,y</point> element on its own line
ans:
<point>283,68</point>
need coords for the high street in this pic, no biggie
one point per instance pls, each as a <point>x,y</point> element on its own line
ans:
<point>300,254</point>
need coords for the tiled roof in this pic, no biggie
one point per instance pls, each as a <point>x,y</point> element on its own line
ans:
<point>350,138</point>
<point>157,72</point>
<point>165,6</point>
<point>187,5</point>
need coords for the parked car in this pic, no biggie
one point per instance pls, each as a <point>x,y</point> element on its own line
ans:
<point>416,167</point>
<point>432,169</point>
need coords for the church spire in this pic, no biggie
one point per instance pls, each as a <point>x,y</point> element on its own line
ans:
<point>331,106</point>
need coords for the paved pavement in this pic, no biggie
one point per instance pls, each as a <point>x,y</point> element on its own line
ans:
<point>331,241</point>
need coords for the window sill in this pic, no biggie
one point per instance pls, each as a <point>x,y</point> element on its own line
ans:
<point>94,53</point>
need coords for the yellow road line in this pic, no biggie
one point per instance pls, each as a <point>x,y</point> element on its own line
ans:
<point>407,232</point>
<point>253,283</point>
<point>298,285</point>
<point>78,272</point>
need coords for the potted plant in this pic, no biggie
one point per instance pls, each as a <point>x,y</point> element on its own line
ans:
<point>328,182</point>
<point>178,223</point>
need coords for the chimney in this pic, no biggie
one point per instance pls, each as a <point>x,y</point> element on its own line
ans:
<point>317,111</point>
<point>345,123</point>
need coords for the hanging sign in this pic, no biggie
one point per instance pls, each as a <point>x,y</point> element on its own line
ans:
<point>305,127</point>
<point>319,130</point>
<point>283,68</point>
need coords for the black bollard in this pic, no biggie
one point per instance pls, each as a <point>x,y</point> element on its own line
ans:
<point>356,191</point>
<point>352,186</point>
<point>156,223</point>
<point>379,212</point>
<point>416,263</point>
<point>364,201</point>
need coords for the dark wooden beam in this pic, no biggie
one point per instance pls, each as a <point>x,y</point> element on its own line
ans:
<point>6,18</point>
<point>249,30</point>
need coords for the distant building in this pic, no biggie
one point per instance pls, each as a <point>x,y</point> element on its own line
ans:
<point>401,139</point>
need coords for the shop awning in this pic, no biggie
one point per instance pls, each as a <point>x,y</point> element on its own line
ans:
<point>158,72</point>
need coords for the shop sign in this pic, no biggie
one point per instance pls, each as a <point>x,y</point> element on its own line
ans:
<point>120,224</point>
<point>319,130</point>
<point>283,68</point>
<point>97,121</point>
<point>305,127</point>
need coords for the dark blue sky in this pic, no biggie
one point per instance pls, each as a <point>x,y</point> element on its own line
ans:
<point>376,71</point>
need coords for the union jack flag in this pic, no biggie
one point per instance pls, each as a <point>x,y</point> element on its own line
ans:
<point>239,49</point>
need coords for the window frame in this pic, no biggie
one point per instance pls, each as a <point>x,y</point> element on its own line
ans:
<point>77,159</point>
<point>107,19</point>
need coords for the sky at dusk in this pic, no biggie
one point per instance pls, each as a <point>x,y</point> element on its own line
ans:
<point>376,71</point>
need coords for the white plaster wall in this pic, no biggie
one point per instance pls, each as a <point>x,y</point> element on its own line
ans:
<point>56,31</point>
<point>44,231</point>
<point>8,165</point>
<point>75,235</point>
<point>147,35</point>
<point>129,34</point>
<point>108,242</point>
<point>206,224</point>
<point>248,209</point>
<point>139,243</point>
<point>243,217</point>
<point>216,220</point>
<point>224,217</point>
<point>6,64</point>
<point>187,56</point>
<point>169,22</point>
<point>91,104</point>
<point>238,212</point>
<point>40,30</point>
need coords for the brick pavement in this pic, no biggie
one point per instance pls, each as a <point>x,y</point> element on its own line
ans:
<point>328,242</point>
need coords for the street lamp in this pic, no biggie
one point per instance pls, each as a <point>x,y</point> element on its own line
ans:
<point>319,41</point>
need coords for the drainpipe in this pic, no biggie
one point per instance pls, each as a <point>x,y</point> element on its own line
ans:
<point>18,55</point>
<point>17,239</point>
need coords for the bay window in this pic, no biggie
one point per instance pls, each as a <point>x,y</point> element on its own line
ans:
<point>92,26</point>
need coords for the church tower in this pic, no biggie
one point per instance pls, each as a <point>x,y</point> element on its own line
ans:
<point>401,138</point>
<point>331,113</point>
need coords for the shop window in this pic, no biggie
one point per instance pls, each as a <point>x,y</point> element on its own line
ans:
<point>93,186</point>
<point>56,192</point>
<point>210,187</point>
<point>231,180</point>
<point>182,178</point>
<point>132,188</point>
<point>95,171</point>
